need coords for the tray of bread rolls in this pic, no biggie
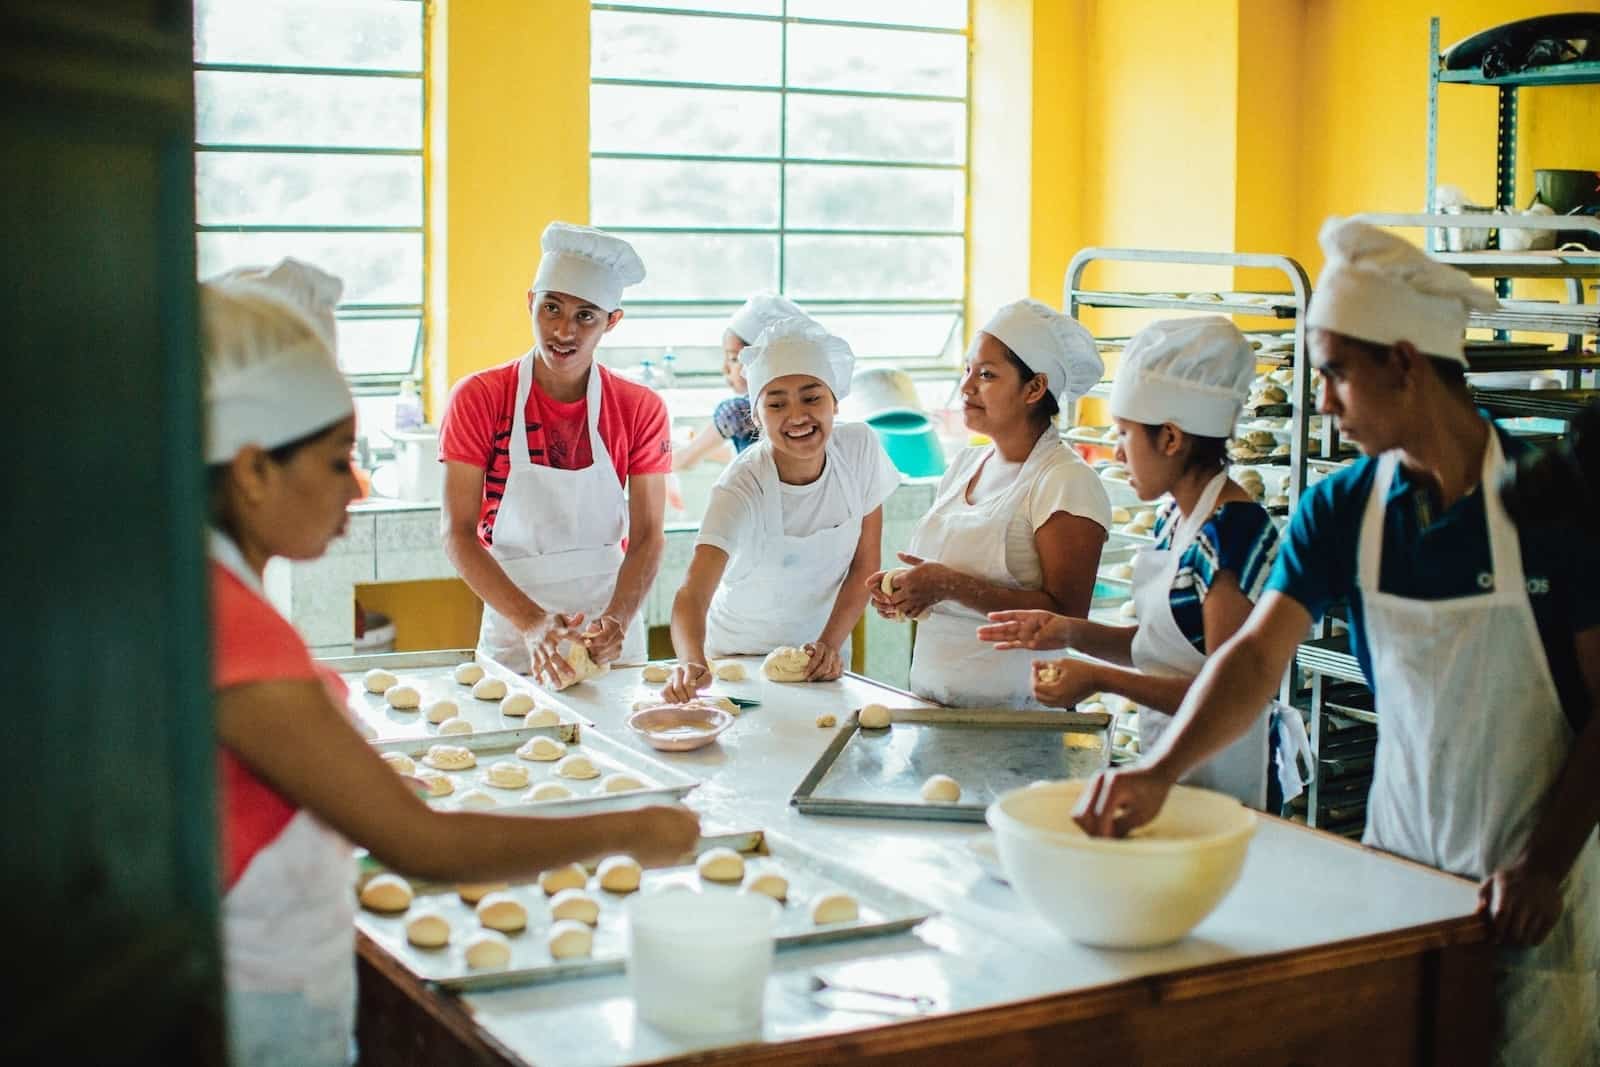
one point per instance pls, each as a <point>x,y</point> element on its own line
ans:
<point>570,922</point>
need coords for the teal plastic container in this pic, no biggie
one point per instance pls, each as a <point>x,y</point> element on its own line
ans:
<point>909,439</point>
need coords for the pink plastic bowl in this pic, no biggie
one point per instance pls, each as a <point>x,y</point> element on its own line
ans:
<point>679,727</point>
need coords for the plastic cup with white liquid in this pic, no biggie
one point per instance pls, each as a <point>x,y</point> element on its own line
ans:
<point>698,962</point>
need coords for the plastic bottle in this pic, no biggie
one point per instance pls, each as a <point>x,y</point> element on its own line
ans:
<point>647,373</point>
<point>669,369</point>
<point>408,409</point>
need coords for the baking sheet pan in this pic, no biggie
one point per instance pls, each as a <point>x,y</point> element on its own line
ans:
<point>879,773</point>
<point>882,911</point>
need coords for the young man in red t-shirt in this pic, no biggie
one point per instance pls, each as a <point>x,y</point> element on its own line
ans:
<point>561,543</point>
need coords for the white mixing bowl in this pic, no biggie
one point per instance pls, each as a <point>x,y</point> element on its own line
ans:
<point>1137,892</point>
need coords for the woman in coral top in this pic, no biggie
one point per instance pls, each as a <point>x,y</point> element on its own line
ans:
<point>299,784</point>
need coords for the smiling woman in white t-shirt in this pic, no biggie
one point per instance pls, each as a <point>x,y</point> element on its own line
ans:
<point>794,524</point>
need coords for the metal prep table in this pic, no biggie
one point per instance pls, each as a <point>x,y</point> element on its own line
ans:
<point>1324,953</point>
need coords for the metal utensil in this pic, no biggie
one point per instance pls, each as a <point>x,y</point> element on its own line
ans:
<point>920,1002</point>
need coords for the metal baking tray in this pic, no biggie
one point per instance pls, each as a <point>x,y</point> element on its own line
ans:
<point>430,672</point>
<point>662,783</point>
<point>882,911</point>
<point>989,751</point>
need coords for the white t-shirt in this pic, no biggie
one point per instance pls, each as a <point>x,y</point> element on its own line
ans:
<point>732,520</point>
<point>1063,483</point>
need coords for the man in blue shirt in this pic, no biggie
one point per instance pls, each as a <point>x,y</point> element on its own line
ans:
<point>1482,645</point>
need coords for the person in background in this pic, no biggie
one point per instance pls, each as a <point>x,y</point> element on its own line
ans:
<point>555,473</point>
<point>1480,641</point>
<point>795,523</point>
<point>1015,524</point>
<point>299,786</point>
<point>733,421</point>
<point>1177,393</point>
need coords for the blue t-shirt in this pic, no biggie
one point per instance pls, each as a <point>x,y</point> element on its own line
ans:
<point>1239,539</point>
<point>1428,555</point>
<point>736,422</point>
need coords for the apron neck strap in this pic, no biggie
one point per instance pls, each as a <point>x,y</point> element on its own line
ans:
<point>519,413</point>
<point>1189,527</point>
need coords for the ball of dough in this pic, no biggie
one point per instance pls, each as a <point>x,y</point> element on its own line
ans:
<point>577,765</point>
<point>546,791</point>
<point>456,725</point>
<point>403,697</point>
<point>1049,674</point>
<point>467,674</point>
<point>386,892</point>
<point>771,885</point>
<point>874,717</point>
<point>620,783</point>
<point>450,758</point>
<point>718,702</point>
<point>379,681</point>
<point>1128,610</point>
<point>1121,570</point>
<point>542,717</point>
<point>834,908</point>
<point>1121,515</point>
<point>441,711</point>
<point>438,785</point>
<point>620,874</point>
<point>656,673</point>
<point>720,865</point>
<point>786,664</point>
<point>827,719</point>
<point>572,876</point>
<point>1145,520</point>
<point>941,789</point>
<point>471,894</point>
<point>517,705</point>
<point>1094,707</point>
<point>730,672</point>
<point>575,904</point>
<point>488,688</point>
<point>583,667</point>
<point>428,929</point>
<point>504,774</point>
<point>503,912</point>
<point>487,948</point>
<point>477,800</point>
<point>541,750</point>
<point>569,940</point>
<point>891,579</point>
<point>400,762</point>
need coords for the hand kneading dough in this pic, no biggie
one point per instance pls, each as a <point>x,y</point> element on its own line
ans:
<point>517,705</point>
<point>457,725</point>
<point>834,908</point>
<point>438,785</point>
<point>569,940</point>
<point>428,930</point>
<point>503,912</point>
<point>786,664</point>
<point>488,948</point>
<point>577,766</point>
<point>468,674</point>
<point>873,717</point>
<point>450,758</point>
<point>730,672</point>
<point>656,673</point>
<point>620,874</point>
<point>941,789</point>
<point>720,865</point>
<point>1049,675</point>
<point>471,894</point>
<point>572,876</point>
<point>541,750</point>
<point>620,783</point>
<point>477,800</point>
<point>576,905</point>
<point>378,681</point>
<point>547,791</point>
<point>584,668</point>
<point>827,719</point>
<point>489,689</point>
<point>386,892</point>
<point>507,775</point>
<point>403,697</point>
<point>542,717</point>
<point>891,578</point>
<point>1128,610</point>
<point>771,885</point>
<point>400,762</point>
<point>441,711</point>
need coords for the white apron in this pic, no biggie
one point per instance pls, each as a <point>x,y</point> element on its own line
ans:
<point>558,535</point>
<point>1160,648</point>
<point>949,664</point>
<point>288,935</point>
<point>784,595</point>
<point>1472,738</point>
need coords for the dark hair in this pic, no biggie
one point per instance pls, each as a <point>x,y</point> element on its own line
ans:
<point>1046,407</point>
<point>1205,453</point>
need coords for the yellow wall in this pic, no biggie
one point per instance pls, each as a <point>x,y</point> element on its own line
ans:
<point>427,615</point>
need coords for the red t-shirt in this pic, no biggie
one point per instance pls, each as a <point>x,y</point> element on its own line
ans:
<point>252,643</point>
<point>476,429</point>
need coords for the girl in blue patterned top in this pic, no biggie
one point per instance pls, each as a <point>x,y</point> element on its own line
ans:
<point>1177,392</point>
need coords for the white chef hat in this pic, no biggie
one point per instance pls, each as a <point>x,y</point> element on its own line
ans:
<point>1194,373</point>
<point>1380,288</point>
<point>798,346</point>
<point>270,372</point>
<point>1050,343</point>
<point>586,263</point>
<point>761,311</point>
